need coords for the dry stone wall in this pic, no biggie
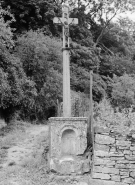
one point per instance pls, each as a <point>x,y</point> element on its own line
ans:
<point>114,156</point>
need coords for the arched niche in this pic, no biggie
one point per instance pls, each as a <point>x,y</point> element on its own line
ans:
<point>68,142</point>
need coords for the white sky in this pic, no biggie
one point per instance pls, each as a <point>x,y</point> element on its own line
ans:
<point>131,16</point>
<point>128,14</point>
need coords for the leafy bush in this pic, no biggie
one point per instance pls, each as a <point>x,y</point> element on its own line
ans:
<point>106,116</point>
<point>41,59</point>
<point>123,91</point>
<point>14,85</point>
<point>6,35</point>
<point>80,104</point>
<point>13,81</point>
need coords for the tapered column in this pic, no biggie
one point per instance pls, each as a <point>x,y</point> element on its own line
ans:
<point>66,84</point>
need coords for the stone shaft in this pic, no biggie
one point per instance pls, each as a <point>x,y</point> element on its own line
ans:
<point>66,21</point>
<point>66,85</point>
<point>66,68</point>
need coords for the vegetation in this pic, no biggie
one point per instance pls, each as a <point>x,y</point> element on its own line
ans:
<point>42,62</point>
<point>31,57</point>
<point>23,154</point>
<point>106,116</point>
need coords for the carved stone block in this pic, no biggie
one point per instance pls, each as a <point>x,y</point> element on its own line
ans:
<point>68,141</point>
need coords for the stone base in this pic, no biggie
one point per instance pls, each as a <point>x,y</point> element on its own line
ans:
<point>68,165</point>
<point>68,141</point>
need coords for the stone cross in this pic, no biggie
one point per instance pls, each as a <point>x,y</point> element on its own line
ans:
<point>66,21</point>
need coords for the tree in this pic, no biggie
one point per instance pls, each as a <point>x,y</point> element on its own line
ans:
<point>41,59</point>
<point>123,91</point>
<point>6,34</point>
<point>103,12</point>
<point>97,43</point>
<point>16,90</point>
<point>32,14</point>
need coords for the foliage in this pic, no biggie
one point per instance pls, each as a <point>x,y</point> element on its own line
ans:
<point>80,104</point>
<point>41,59</point>
<point>103,112</point>
<point>83,59</point>
<point>123,91</point>
<point>15,88</point>
<point>6,35</point>
<point>106,116</point>
<point>32,14</point>
<point>97,43</point>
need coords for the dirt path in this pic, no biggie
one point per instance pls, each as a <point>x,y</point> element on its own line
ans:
<point>23,155</point>
<point>17,154</point>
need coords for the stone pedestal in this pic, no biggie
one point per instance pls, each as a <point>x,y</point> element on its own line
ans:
<point>67,145</point>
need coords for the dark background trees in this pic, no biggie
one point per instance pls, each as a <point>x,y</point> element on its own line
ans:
<point>31,57</point>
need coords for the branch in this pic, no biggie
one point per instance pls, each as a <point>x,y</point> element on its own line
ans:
<point>93,14</point>
<point>86,5</point>
<point>107,23</point>
<point>106,49</point>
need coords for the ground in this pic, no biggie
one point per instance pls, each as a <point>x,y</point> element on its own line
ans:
<point>24,155</point>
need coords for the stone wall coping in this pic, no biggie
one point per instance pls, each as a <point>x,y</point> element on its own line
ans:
<point>100,129</point>
<point>114,131</point>
<point>68,119</point>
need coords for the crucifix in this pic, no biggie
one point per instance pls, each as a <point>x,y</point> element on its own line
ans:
<point>66,21</point>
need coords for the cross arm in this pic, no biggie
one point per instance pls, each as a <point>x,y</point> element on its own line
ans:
<point>59,20</point>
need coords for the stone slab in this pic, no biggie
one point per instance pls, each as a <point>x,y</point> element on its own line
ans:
<point>105,182</point>
<point>104,140</point>
<point>115,178</point>
<point>132,148</point>
<point>130,158</point>
<point>106,170</point>
<point>123,162</point>
<point>81,183</point>
<point>129,180</point>
<point>101,147</point>
<point>117,158</point>
<point>113,149</point>
<point>116,154</point>
<point>122,166</point>
<point>123,143</point>
<point>105,162</point>
<point>132,174</point>
<point>100,176</point>
<point>127,152</point>
<point>101,153</point>
<point>124,147</point>
<point>131,166</point>
<point>101,130</point>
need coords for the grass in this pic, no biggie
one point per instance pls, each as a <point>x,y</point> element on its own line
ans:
<point>34,168</point>
<point>9,136</point>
